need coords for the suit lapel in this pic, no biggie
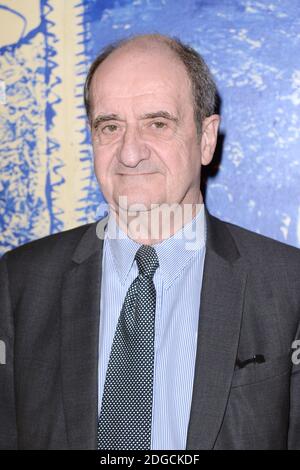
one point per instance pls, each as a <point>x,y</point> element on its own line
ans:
<point>222,297</point>
<point>79,340</point>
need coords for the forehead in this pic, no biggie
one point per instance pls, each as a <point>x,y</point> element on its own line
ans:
<point>141,75</point>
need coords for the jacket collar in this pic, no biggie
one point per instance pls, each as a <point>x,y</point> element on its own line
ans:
<point>222,295</point>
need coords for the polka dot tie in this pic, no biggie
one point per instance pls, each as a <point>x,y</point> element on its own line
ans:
<point>126,410</point>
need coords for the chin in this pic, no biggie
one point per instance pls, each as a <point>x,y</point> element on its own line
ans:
<point>138,203</point>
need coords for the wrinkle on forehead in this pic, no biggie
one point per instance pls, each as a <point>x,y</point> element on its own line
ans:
<point>149,97</point>
<point>131,73</point>
<point>137,105</point>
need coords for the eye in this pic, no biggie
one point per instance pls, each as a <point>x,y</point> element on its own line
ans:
<point>109,128</point>
<point>159,124</point>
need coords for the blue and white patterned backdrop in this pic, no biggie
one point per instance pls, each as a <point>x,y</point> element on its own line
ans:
<point>253,50</point>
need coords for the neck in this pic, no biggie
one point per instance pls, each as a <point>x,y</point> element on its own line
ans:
<point>158,223</point>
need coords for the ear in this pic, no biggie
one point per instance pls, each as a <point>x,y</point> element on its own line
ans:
<point>209,135</point>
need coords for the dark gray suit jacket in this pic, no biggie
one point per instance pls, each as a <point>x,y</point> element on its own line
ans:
<point>49,320</point>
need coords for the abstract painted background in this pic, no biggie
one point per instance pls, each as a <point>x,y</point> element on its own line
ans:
<point>46,169</point>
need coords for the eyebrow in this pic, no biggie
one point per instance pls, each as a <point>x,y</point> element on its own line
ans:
<point>114,117</point>
<point>105,118</point>
<point>161,114</point>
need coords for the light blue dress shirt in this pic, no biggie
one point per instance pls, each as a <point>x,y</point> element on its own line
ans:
<point>178,282</point>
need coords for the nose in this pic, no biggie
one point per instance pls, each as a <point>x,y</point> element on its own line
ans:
<point>132,148</point>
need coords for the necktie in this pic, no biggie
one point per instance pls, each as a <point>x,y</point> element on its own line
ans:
<point>126,409</point>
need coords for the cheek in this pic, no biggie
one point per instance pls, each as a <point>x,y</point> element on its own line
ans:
<point>189,154</point>
<point>175,156</point>
<point>102,161</point>
<point>183,164</point>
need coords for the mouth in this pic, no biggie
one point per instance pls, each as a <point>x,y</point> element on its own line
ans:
<point>135,174</point>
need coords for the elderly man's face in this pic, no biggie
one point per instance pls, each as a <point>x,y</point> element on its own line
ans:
<point>144,135</point>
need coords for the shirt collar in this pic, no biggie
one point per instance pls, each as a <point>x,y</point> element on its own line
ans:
<point>173,253</point>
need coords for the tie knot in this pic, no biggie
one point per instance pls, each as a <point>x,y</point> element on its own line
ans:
<point>147,260</point>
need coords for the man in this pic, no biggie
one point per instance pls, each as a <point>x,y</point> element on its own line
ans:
<point>125,334</point>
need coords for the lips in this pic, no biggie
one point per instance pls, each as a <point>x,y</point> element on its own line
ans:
<point>136,174</point>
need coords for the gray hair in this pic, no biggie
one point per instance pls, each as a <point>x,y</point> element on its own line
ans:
<point>204,89</point>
